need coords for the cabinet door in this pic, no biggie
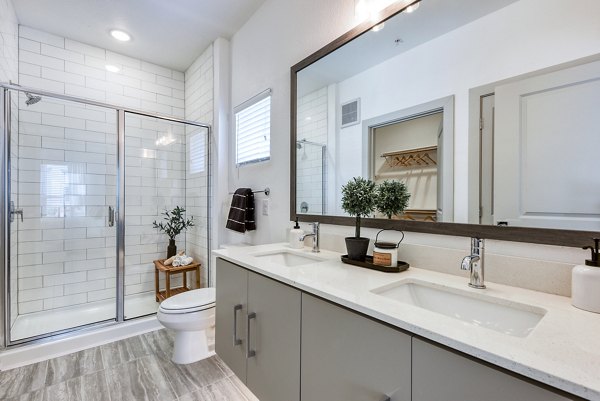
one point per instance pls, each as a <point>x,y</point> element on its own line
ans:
<point>442,375</point>
<point>230,318</point>
<point>348,357</point>
<point>274,336</point>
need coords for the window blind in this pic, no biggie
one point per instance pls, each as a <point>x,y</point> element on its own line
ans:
<point>197,152</point>
<point>253,130</point>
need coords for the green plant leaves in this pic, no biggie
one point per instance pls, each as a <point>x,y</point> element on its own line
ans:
<point>174,222</point>
<point>391,198</point>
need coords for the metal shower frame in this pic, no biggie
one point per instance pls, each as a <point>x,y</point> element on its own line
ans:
<point>5,146</point>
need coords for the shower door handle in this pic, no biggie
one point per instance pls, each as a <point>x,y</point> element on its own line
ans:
<point>14,211</point>
<point>111,216</point>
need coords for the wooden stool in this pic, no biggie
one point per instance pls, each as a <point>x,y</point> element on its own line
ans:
<point>169,270</point>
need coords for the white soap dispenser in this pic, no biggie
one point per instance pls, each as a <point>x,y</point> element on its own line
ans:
<point>585,282</point>
<point>294,236</point>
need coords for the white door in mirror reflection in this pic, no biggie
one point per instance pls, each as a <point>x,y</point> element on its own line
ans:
<point>547,141</point>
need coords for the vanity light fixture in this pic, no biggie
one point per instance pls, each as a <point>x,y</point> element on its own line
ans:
<point>121,36</point>
<point>112,68</point>
<point>413,7</point>
<point>364,9</point>
<point>379,27</point>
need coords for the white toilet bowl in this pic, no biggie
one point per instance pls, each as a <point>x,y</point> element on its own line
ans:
<point>189,314</point>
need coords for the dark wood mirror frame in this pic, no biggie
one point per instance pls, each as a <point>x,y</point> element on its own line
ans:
<point>573,238</point>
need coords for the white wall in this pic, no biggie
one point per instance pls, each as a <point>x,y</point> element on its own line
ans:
<point>277,36</point>
<point>9,36</point>
<point>281,33</point>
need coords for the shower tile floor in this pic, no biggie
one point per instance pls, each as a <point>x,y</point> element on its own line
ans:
<point>33,324</point>
<point>137,368</point>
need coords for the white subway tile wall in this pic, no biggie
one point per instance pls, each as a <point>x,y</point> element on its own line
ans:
<point>199,107</point>
<point>155,181</point>
<point>66,251</point>
<point>310,163</point>
<point>9,71</point>
<point>69,67</point>
<point>66,182</point>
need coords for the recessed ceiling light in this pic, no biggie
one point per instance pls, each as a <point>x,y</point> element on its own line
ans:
<point>112,68</point>
<point>120,35</point>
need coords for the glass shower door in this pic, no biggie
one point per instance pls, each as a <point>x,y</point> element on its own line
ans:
<point>63,225</point>
<point>166,166</point>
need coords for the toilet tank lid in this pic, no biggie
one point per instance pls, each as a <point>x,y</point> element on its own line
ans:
<point>190,299</point>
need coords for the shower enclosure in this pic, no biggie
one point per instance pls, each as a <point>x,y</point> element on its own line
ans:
<point>82,184</point>
<point>311,177</point>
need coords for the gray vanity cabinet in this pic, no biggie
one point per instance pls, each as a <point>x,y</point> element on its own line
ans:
<point>348,357</point>
<point>443,375</point>
<point>267,359</point>
<point>230,315</point>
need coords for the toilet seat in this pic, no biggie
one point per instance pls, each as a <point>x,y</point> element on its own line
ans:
<point>189,302</point>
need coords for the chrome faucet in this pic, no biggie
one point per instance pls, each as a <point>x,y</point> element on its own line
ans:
<point>474,263</point>
<point>314,235</point>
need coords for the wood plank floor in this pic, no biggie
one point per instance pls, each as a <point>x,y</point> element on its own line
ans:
<point>137,368</point>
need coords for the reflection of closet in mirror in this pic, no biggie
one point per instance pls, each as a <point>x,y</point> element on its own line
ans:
<point>407,151</point>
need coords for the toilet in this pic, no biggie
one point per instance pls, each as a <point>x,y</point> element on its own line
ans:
<point>189,315</point>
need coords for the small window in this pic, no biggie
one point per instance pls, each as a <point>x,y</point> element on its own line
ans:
<point>197,152</point>
<point>253,130</point>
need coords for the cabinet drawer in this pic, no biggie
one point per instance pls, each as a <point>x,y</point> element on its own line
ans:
<point>348,357</point>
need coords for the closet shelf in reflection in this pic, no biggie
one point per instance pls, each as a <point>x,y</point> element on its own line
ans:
<point>419,157</point>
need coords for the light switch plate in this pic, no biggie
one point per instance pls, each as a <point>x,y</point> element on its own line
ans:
<point>265,207</point>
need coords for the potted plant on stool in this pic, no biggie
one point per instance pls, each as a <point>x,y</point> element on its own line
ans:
<point>175,223</point>
<point>358,199</point>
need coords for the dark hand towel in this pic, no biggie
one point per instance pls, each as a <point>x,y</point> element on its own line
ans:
<point>241,213</point>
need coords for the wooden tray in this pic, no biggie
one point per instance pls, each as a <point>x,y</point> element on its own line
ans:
<point>368,263</point>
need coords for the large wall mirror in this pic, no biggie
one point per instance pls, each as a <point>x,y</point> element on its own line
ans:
<point>485,112</point>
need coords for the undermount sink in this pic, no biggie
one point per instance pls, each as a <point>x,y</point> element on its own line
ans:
<point>506,317</point>
<point>287,258</point>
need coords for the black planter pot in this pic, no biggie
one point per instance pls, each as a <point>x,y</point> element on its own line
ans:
<point>357,248</point>
<point>171,249</point>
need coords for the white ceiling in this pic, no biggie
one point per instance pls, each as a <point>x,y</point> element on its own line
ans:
<point>171,33</point>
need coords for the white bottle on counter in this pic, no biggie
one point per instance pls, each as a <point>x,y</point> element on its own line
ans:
<point>294,236</point>
<point>585,282</point>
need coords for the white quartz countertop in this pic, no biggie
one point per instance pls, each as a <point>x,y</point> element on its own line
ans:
<point>563,350</point>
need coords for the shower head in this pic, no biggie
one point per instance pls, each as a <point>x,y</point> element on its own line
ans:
<point>32,99</point>
<point>298,145</point>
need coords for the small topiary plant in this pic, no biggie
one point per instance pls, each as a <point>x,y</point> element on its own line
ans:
<point>392,198</point>
<point>358,199</point>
